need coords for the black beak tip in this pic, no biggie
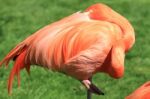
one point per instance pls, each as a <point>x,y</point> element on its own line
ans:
<point>102,93</point>
<point>99,93</point>
<point>96,90</point>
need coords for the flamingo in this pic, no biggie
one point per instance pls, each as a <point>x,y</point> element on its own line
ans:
<point>80,45</point>
<point>143,92</point>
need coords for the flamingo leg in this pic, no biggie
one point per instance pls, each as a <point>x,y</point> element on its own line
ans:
<point>89,93</point>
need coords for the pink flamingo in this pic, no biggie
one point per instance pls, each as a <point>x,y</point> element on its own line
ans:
<point>143,92</point>
<point>80,45</point>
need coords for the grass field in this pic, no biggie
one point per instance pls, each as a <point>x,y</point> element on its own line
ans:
<point>21,18</point>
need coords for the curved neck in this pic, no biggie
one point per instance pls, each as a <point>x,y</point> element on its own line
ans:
<point>127,31</point>
<point>103,12</point>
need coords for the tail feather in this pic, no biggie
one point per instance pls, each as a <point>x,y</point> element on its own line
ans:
<point>20,52</point>
<point>19,64</point>
<point>14,52</point>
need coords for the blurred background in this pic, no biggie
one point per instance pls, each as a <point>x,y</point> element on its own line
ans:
<point>21,18</point>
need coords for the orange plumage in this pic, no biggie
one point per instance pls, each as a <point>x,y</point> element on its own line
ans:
<point>79,45</point>
<point>143,92</point>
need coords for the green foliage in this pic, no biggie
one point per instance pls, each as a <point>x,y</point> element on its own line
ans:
<point>21,18</point>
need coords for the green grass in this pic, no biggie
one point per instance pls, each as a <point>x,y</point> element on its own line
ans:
<point>21,18</point>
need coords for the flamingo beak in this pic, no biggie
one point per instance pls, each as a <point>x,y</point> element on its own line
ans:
<point>92,88</point>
